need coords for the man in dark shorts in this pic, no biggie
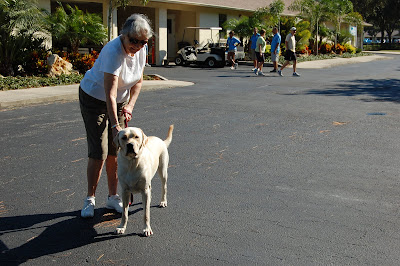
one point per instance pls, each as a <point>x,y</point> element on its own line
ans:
<point>290,54</point>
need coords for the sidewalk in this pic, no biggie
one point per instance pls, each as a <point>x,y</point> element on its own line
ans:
<point>23,97</point>
<point>327,63</point>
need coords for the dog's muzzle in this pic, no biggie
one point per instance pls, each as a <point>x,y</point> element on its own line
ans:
<point>129,149</point>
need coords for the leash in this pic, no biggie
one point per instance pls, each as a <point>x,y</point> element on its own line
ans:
<point>125,113</point>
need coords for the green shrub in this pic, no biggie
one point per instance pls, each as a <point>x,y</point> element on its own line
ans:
<point>14,83</point>
<point>268,50</point>
<point>350,48</point>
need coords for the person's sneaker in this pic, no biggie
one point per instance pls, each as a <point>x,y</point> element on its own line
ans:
<point>232,67</point>
<point>147,65</point>
<point>273,70</point>
<point>255,71</point>
<point>280,73</point>
<point>260,73</point>
<point>114,202</point>
<point>88,207</point>
<point>236,65</point>
<point>295,74</point>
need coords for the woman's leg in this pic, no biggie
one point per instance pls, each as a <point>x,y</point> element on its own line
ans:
<point>94,169</point>
<point>112,178</point>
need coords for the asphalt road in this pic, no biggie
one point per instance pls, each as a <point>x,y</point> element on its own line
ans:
<point>263,171</point>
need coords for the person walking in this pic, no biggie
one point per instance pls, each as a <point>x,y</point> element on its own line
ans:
<point>253,45</point>
<point>275,48</point>
<point>232,44</point>
<point>290,54</point>
<point>107,96</point>
<point>260,50</point>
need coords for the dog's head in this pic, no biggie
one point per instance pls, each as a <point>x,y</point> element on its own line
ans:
<point>131,141</point>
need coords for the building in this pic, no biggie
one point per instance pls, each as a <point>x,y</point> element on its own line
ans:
<point>170,18</point>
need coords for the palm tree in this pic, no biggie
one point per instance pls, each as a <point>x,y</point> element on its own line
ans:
<point>265,17</point>
<point>22,28</point>
<point>313,11</point>
<point>77,27</point>
<point>338,11</point>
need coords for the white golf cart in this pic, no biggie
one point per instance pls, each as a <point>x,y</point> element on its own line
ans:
<point>210,54</point>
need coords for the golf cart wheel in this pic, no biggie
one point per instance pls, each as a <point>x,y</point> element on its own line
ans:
<point>211,62</point>
<point>179,60</point>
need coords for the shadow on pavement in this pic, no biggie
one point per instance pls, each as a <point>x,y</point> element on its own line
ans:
<point>387,90</point>
<point>69,233</point>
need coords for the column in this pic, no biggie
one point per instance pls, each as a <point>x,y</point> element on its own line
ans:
<point>161,39</point>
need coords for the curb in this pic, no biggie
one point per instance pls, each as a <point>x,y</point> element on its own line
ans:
<point>24,97</point>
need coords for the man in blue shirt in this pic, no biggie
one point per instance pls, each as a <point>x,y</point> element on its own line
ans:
<point>253,45</point>
<point>231,43</point>
<point>275,47</point>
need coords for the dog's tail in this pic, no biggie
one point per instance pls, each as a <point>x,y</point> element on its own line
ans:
<point>168,140</point>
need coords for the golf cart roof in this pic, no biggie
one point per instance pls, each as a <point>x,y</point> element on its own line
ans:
<point>204,28</point>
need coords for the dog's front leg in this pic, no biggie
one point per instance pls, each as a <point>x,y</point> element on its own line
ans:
<point>146,198</point>
<point>124,219</point>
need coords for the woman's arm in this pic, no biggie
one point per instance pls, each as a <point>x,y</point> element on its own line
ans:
<point>134,94</point>
<point>110,86</point>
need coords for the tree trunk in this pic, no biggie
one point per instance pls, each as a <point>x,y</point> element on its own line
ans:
<point>110,10</point>
<point>389,35</point>
<point>382,36</point>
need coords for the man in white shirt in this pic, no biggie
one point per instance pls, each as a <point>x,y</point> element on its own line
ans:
<point>290,54</point>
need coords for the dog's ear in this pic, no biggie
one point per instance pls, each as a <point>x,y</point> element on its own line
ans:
<point>116,141</point>
<point>145,139</point>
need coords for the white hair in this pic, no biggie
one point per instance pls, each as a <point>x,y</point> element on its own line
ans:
<point>137,25</point>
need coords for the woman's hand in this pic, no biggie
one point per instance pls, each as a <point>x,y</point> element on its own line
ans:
<point>127,111</point>
<point>116,130</point>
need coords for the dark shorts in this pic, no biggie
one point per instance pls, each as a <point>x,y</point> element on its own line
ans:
<point>97,124</point>
<point>260,58</point>
<point>290,56</point>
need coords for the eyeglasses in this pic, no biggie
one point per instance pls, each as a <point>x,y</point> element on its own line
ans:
<point>136,41</point>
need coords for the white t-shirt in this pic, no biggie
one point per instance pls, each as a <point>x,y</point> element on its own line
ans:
<point>114,60</point>
<point>291,42</point>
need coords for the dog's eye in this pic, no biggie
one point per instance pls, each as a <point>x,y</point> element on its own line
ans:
<point>124,138</point>
<point>136,137</point>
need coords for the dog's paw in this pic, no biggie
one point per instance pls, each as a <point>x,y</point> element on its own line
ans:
<point>120,230</point>
<point>163,204</point>
<point>147,232</point>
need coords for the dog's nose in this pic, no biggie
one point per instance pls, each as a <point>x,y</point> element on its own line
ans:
<point>129,148</point>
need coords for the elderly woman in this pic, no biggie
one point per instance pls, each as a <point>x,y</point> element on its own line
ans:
<point>107,96</point>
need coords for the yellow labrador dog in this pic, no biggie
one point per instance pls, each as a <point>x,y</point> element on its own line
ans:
<point>138,160</point>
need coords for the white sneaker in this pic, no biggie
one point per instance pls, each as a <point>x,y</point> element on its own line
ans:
<point>260,73</point>
<point>232,67</point>
<point>280,73</point>
<point>88,207</point>
<point>147,65</point>
<point>255,71</point>
<point>114,202</point>
<point>295,74</point>
<point>236,65</point>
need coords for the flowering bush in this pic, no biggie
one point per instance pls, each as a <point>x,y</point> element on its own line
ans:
<point>306,50</point>
<point>36,63</point>
<point>80,62</point>
<point>339,49</point>
<point>325,48</point>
